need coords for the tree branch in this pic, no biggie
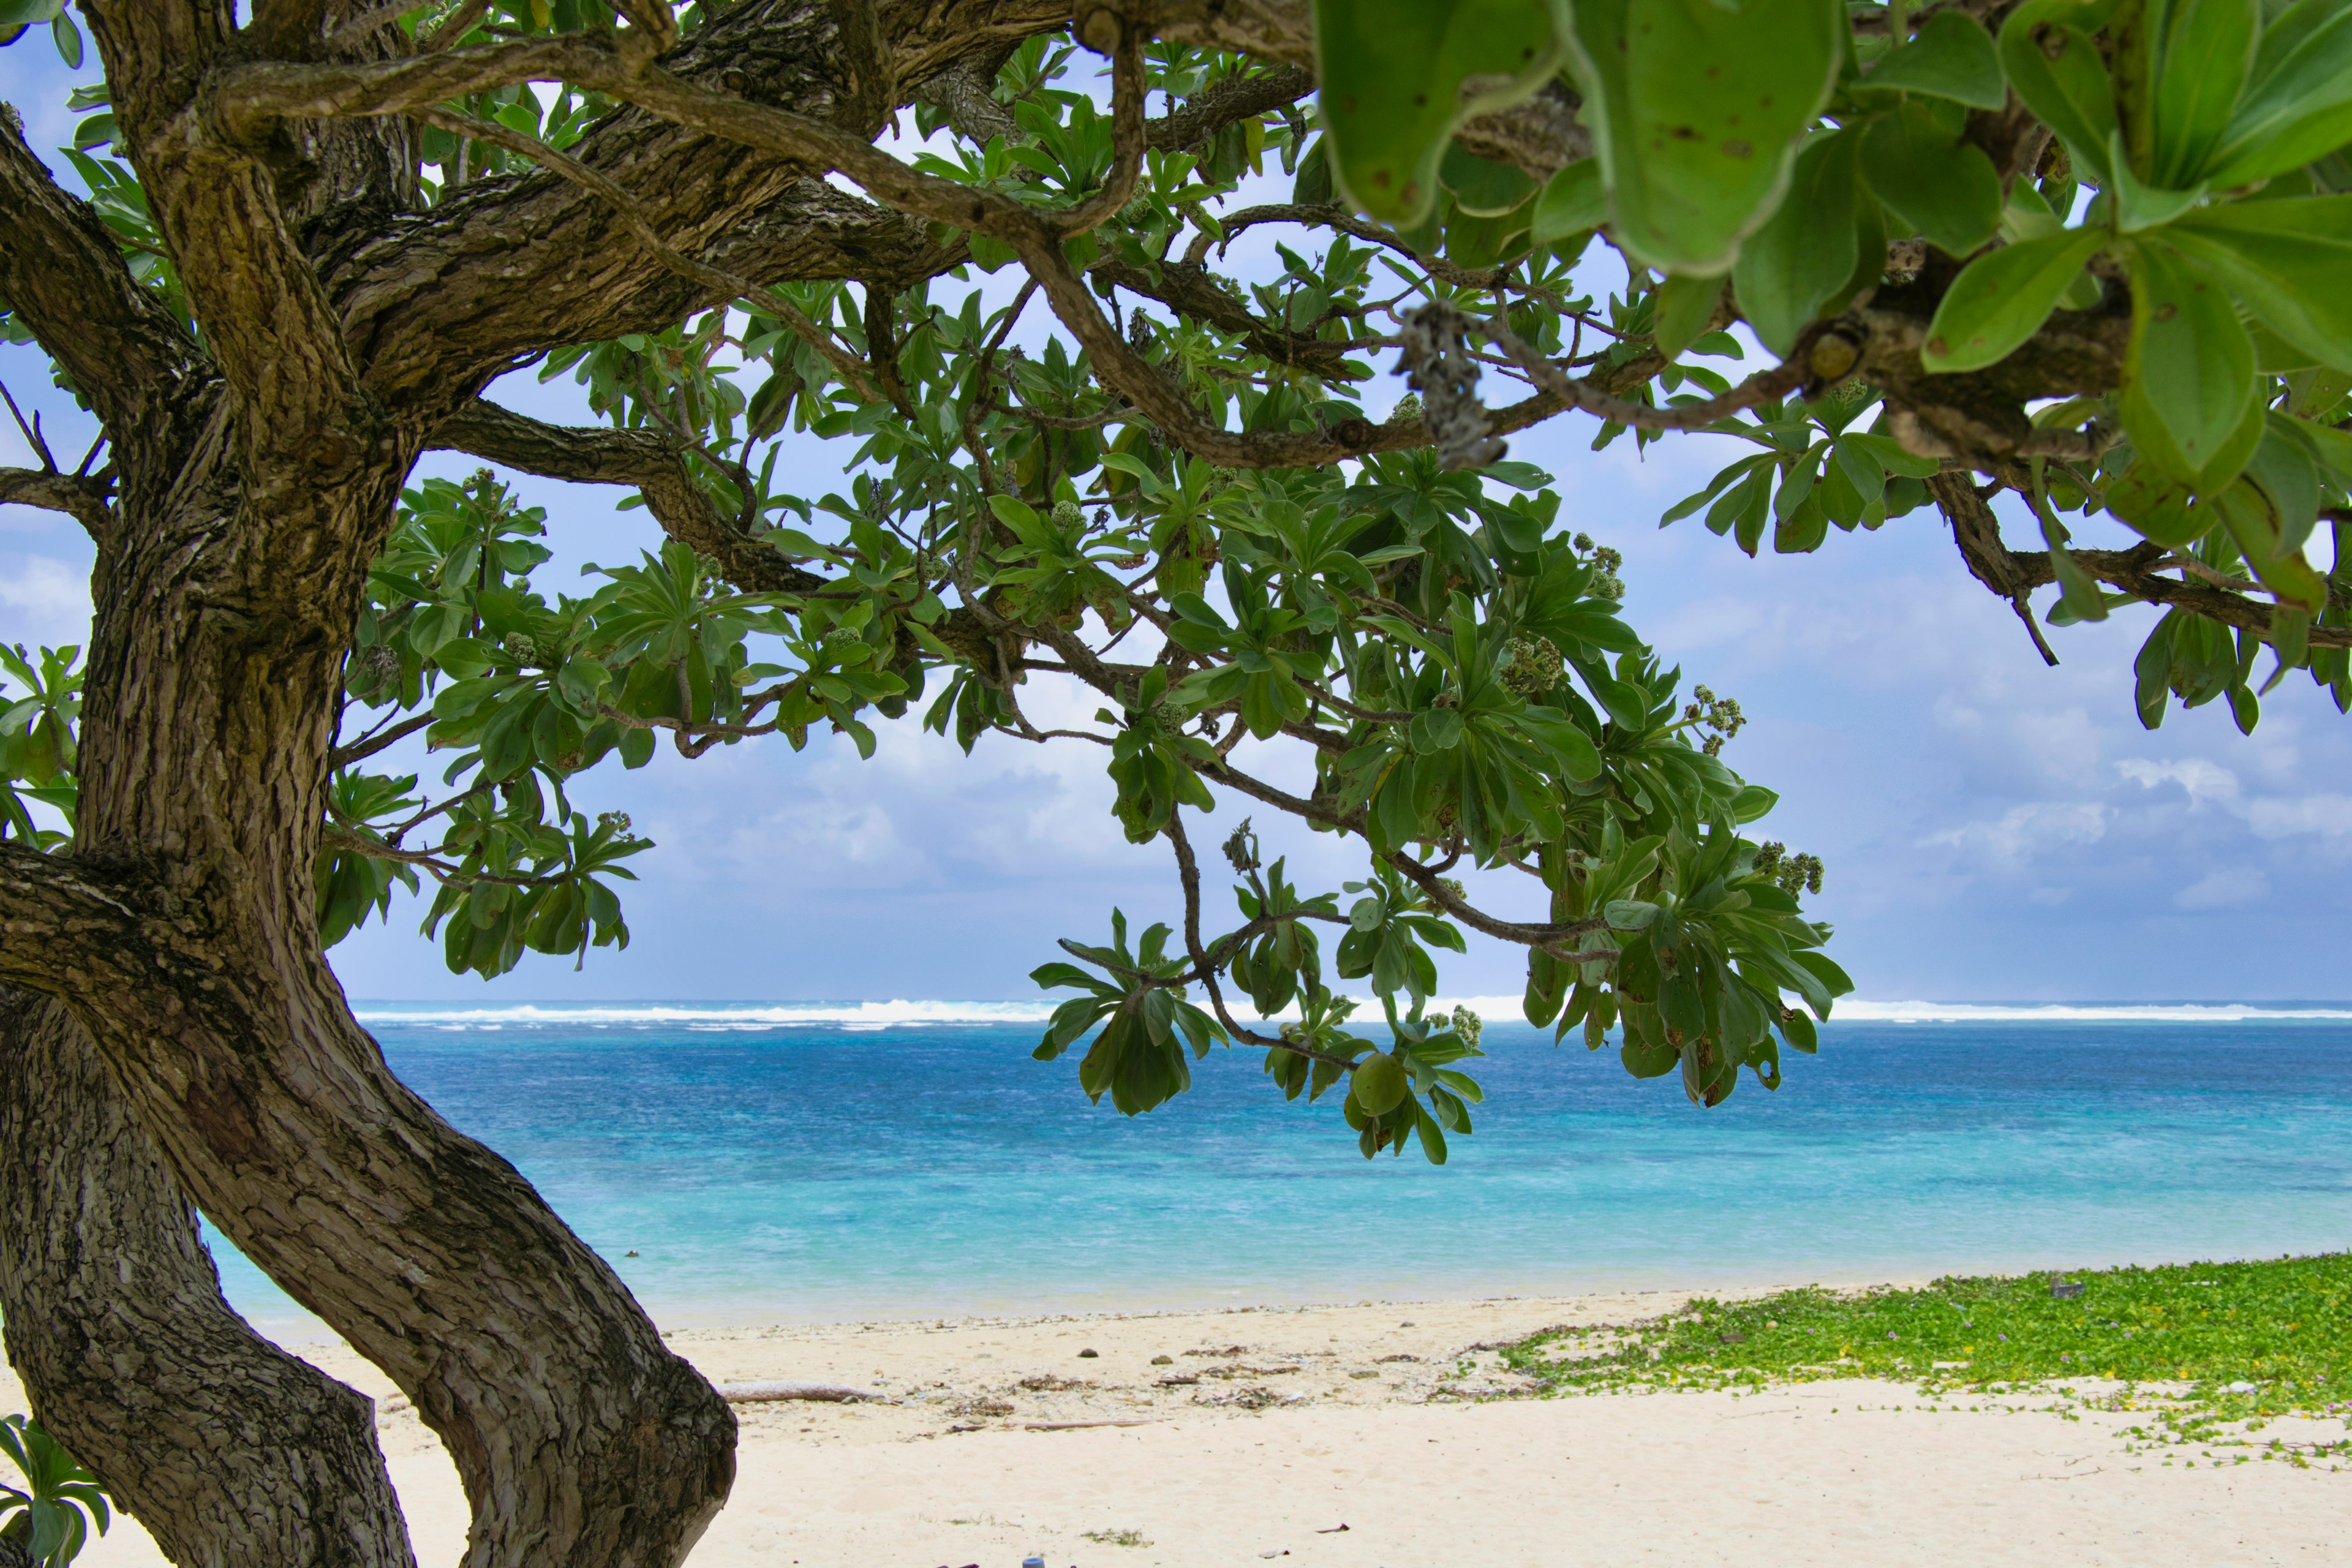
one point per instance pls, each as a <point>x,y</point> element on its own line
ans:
<point>62,274</point>
<point>1222,103</point>
<point>246,98</point>
<point>62,923</point>
<point>1546,936</point>
<point>654,465</point>
<point>2012,574</point>
<point>86,498</point>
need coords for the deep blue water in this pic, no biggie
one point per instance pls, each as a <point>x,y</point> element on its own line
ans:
<point>766,1171</point>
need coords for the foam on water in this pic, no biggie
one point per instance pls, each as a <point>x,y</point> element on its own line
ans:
<point>725,1015</point>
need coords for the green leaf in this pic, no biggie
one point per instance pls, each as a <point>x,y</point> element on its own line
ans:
<point>1393,72</point>
<point>1806,252</point>
<point>1630,914</point>
<point>2188,377</point>
<point>1945,188</point>
<point>1572,201</point>
<point>2001,298</point>
<point>2286,261</point>
<point>1481,186</point>
<point>1436,729</point>
<point>2152,672</point>
<point>1695,108</point>
<point>2055,67</point>
<point>2201,52</point>
<point>2159,507</point>
<point>1685,308</point>
<point>2138,207</point>
<point>1949,57</point>
<point>1801,529</point>
<point>2298,104</point>
<point>1752,803</point>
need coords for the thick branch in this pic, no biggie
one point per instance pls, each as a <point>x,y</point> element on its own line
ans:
<point>444,300</point>
<point>1223,104</point>
<point>639,458</point>
<point>245,98</point>
<point>61,921</point>
<point>2014,573</point>
<point>83,497</point>
<point>62,274</point>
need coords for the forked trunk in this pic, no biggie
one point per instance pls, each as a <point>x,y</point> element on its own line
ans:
<point>206,733</point>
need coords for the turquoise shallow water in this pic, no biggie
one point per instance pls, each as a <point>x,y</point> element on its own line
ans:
<point>765,1169</point>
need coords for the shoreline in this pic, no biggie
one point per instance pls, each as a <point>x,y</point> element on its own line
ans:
<point>300,1333</point>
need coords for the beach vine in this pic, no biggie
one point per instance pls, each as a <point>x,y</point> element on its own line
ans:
<point>2213,1354</point>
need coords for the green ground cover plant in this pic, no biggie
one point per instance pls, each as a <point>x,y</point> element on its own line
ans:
<point>2214,1351</point>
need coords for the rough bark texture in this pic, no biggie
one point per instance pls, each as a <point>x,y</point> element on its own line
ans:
<point>116,1324</point>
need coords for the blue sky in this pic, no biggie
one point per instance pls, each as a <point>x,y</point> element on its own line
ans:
<point>1993,829</point>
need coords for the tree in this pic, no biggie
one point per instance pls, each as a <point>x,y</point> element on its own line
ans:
<point>321,235</point>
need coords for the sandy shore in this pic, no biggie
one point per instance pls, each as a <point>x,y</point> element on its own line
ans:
<point>1239,1437</point>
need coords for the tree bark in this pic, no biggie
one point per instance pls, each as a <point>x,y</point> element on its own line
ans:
<point>207,723</point>
<point>231,1452</point>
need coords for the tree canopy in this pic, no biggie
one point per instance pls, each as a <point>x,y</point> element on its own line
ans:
<point>2088,253</point>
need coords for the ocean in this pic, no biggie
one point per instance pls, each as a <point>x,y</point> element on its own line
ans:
<point>796,1161</point>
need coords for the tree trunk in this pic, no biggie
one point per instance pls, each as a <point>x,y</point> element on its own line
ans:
<point>231,1452</point>
<point>214,677</point>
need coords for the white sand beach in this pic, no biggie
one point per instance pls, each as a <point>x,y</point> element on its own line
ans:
<point>1264,1432</point>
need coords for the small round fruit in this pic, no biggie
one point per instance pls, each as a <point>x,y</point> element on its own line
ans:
<point>1380,1083</point>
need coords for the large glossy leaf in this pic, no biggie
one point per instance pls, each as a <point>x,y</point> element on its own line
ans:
<point>1571,201</point>
<point>1946,189</point>
<point>2137,206</point>
<point>1685,305</point>
<point>1481,186</point>
<point>1393,73</point>
<point>2288,261</point>
<point>2055,67</point>
<point>2159,507</point>
<point>1951,56</point>
<point>2298,105</point>
<point>1804,255</point>
<point>2199,53</point>
<point>1696,107</point>
<point>2190,375</point>
<point>2001,298</point>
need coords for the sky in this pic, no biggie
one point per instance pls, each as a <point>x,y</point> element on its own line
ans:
<point>1993,829</point>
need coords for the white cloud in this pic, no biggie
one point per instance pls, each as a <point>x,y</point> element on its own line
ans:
<point>2204,782</point>
<point>2233,885</point>
<point>45,600</point>
<point>2030,828</point>
<point>2328,815</point>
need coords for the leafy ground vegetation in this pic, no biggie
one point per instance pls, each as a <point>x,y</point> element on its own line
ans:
<point>2211,1351</point>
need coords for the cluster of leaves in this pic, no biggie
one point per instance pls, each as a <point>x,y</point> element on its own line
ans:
<point>2248,1341</point>
<point>38,742</point>
<point>48,1518</point>
<point>455,642</point>
<point>1779,149</point>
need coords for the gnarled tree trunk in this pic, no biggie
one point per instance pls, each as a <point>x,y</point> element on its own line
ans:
<point>231,1452</point>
